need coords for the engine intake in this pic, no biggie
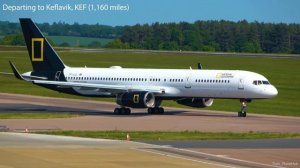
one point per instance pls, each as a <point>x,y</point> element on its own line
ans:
<point>196,102</point>
<point>136,99</point>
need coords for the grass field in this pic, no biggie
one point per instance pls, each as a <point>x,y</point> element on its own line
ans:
<point>36,115</point>
<point>282,72</point>
<point>78,41</point>
<point>185,135</point>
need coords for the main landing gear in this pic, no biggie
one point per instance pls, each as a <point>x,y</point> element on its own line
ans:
<point>122,111</point>
<point>127,111</point>
<point>156,110</point>
<point>243,112</point>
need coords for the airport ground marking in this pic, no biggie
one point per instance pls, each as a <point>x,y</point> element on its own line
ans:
<point>226,157</point>
<point>179,157</point>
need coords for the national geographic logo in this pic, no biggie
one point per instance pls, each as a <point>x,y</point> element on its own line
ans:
<point>37,45</point>
<point>136,98</point>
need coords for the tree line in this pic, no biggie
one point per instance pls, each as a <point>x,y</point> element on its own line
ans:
<point>65,29</point>
<point>220,36</point>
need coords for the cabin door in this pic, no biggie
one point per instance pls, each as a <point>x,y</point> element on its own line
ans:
<point>241,84</point>
<point>188,81</point>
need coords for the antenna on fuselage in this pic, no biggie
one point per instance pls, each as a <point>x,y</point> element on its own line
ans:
<point>200,66</point>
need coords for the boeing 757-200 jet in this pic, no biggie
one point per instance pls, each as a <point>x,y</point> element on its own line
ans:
<point>138,87</point>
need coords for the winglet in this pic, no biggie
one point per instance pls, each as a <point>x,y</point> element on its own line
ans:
<point>15,71</point>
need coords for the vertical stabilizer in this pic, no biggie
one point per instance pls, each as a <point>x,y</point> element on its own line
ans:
<point>43,58</point>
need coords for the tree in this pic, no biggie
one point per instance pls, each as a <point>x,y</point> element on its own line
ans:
<point>225,36</point>
<point>296,48</point>
<point>15,39</point>
<point>117,44</point>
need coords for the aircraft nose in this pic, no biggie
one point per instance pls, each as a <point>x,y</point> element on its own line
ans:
<point>272,91</point>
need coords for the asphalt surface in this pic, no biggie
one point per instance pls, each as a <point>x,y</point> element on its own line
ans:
<point>33,150</point>
<point>228,153</point>
<point>232,144</point>
<point>98,116</point>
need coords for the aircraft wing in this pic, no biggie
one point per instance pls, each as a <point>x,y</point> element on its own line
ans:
<point>101,87</point>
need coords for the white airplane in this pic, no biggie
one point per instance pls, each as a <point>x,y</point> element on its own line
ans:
<point>139,88</point>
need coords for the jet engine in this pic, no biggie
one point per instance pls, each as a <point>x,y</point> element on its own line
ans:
<point>136,99</point>
<point>196,102</point>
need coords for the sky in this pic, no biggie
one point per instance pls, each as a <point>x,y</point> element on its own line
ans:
<point>150,11</point>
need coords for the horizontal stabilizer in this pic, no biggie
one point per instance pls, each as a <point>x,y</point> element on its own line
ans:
<point>16,72</point>
<point>6,73</point>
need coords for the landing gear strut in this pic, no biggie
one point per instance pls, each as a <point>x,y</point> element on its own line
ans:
<point>243,112</point>
<point>122,111</point>
<point>156,110</point>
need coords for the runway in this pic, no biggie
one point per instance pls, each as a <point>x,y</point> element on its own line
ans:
<point>33,150</point>
<point>252,153</point>
<point>98,116</point>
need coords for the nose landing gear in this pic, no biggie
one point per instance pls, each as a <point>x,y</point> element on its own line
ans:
<point>243,111</point>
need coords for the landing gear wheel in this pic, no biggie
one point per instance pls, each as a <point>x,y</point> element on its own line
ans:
<point>122,111</point>
<point>161,110</point>
<point>128,111</point>
<point>156,110</point>
<point>149,110</point>
<point>117,111</point>
<point>242,114</point>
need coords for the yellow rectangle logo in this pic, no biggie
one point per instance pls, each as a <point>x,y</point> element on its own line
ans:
<point>136,98</point>
<point>37,52</point>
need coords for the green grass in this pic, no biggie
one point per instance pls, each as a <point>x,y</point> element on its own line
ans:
<point>11,48</point>
<point>78,41</point>
<point>185,135</point>
<point>36,115</point>
<point>283,73</point>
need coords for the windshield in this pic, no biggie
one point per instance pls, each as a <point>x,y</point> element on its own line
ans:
<point>260,82</point>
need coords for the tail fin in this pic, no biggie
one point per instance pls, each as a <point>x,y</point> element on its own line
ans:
<point>43,57</point>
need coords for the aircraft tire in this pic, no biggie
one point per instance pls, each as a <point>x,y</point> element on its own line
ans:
<point>242,114</point>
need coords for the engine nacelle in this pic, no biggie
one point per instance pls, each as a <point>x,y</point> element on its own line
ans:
<point>136,99</point>
<point>196,102</point>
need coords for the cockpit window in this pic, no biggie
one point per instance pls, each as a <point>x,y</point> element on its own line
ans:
<point>259,82</point>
